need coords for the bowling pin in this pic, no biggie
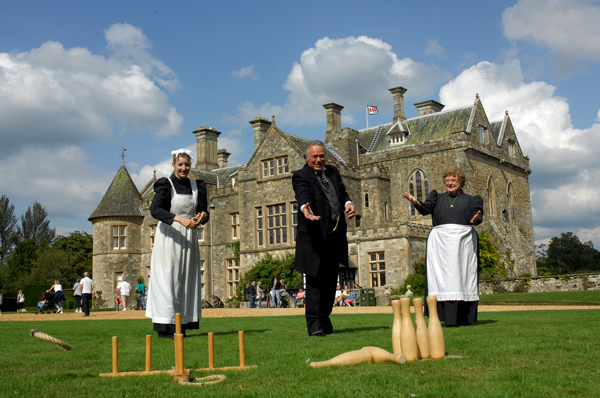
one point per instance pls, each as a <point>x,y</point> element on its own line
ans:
<point>380,355</point>
<point>347,358</point>
<point>396,328</point>
<point>421,330</point>
<point>437,346</point>
<point>408,337</point>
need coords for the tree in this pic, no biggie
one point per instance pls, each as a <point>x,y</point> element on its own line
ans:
<point>8,228</point>
<point>80,247</point>
<point>267,266</point>
<point>567,254</point>
<point>19,265</point>
<point>35,226</point>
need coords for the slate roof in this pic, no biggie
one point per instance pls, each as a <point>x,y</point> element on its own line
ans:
<point>121,199</point>
<point>496,127</point>
<point>421,128</point>
<point>302,142</point>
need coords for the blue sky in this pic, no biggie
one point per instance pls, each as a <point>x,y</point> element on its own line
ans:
<point>81,80</point>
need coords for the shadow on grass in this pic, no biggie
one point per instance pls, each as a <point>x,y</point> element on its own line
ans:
<point>252,331</point>
<point>363,329</point>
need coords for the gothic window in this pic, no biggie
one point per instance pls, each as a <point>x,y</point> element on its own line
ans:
<point>367,199</point>
<point>396,139</point>
<point>418,186</point>
<point>511,148</point>
<point>357,219</point>
<point>233,276</point>
<point>484,135</point>
<point>119,237</point>
<point>385,210</point>
<point>511,203</point>
<point>377,269</point>
<point>491,191</point>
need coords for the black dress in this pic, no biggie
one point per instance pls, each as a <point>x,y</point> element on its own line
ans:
<point>453,209</point>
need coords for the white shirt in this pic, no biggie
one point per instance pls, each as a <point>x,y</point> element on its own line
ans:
<point>87,285</point>
<point>125,288</point>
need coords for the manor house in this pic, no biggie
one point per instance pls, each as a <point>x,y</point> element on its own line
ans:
<point>253,204</point>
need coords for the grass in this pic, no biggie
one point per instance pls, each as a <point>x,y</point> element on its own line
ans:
<point>506,354</point>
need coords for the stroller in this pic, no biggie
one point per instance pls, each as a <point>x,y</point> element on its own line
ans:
<point>46,304</point>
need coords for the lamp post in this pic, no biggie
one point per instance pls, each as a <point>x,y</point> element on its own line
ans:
<point>212,279</point>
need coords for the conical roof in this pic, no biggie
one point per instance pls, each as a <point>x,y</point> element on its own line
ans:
<point>122,198</point>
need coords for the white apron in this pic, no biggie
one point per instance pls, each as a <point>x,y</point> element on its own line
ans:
<point>175,266</point>
<point>452,263</point>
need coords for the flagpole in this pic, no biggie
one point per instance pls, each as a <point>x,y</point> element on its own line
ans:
<point>367,114</point>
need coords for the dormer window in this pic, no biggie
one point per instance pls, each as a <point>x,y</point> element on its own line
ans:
<point>396,139</point>
<point>484,136</point>
<point>511,148</point>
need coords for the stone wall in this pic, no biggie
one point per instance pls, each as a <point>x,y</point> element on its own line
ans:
<point>564,283</point>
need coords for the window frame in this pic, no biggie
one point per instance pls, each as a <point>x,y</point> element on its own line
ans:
<point>378,263</point>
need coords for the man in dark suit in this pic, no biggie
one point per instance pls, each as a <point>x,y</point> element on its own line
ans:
<point>321,243</point>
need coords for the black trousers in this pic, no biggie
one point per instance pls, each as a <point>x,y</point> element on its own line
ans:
<point>78,301</point>
<point>87,297</point>
<point>320,289</point>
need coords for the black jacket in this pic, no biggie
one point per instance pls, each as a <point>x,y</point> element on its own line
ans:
<point>310,241</point>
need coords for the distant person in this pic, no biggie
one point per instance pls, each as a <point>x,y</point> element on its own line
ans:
<point>20,302</point>
<point>59,296</point>
<point>260,294</point>
<point>77,295</point>
<point>338,296</point>
<point>140,291</point>
<point>299,300</point>
<point>274,287</point>
<point>252,293</point>
<point>87,287</point>
<point>124,290</point>
<point>117,302</point>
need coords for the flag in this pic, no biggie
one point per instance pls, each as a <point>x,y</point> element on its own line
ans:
<point>372,109</point>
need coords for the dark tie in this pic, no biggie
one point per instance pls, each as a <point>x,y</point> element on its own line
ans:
<point>325,183</point>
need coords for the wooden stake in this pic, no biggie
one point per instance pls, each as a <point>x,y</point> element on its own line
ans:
<point>242,349</point>
<point>179,353</point>
<point>178,323</point>
<point>115,354</point>
<point>148,353</point>
<point>211,350</point>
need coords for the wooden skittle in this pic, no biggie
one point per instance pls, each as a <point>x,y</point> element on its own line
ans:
<point>408,337</point>
<point>437,345</point>
<point>347,358</point>
<point>380,355</point>
<point>396,328</point>
<point>421,330</point>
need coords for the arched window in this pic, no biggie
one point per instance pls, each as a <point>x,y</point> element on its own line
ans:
<point>367,199</point>
<point>385,210</point>
<point>511,203</point>
<point>491,191</point>
<point>418,186</point>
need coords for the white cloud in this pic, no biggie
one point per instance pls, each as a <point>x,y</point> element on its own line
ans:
<point>63,181</point>
<point>54,96</point>
<point>248,71</point>
<point>563,183</point>
<point>434,48</point>
<point>569,28</point>
<point>349,71</point>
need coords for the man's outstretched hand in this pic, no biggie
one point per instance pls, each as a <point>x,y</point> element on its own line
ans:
<point>309,214</point>
<point>350,210</point>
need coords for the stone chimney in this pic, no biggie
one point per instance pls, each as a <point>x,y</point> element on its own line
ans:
<point>428,107</point>
<point>206,148</point>
<point>261,126</point>
<point>334,120</point>
<point>398,95</point>
<point>222,156</point>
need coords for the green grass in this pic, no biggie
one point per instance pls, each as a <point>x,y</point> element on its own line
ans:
<point>506,354</point>
<point>578,297</point>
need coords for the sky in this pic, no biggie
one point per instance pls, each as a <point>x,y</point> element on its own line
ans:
<point>80,81</point>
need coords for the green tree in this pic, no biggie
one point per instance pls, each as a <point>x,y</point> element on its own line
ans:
<point>489,258</point>
<point>267,266</point>
<point>35,225</point>
<point>19,266</point>
<point>9,231</point>
<point>567,254</point>
<point>80,247</point>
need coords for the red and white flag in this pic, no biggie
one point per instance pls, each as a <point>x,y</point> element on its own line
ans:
<point>372,109</point>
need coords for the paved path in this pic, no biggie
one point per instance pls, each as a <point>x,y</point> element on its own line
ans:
<point>242,312</point>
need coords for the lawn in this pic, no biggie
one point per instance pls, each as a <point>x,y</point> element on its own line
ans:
<point>575,297</point>
<point>506,354</point>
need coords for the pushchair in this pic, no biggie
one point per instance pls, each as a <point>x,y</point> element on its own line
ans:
<point>46,304</point>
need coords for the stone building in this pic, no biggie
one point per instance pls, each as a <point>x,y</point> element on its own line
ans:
<point>253,204</point>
